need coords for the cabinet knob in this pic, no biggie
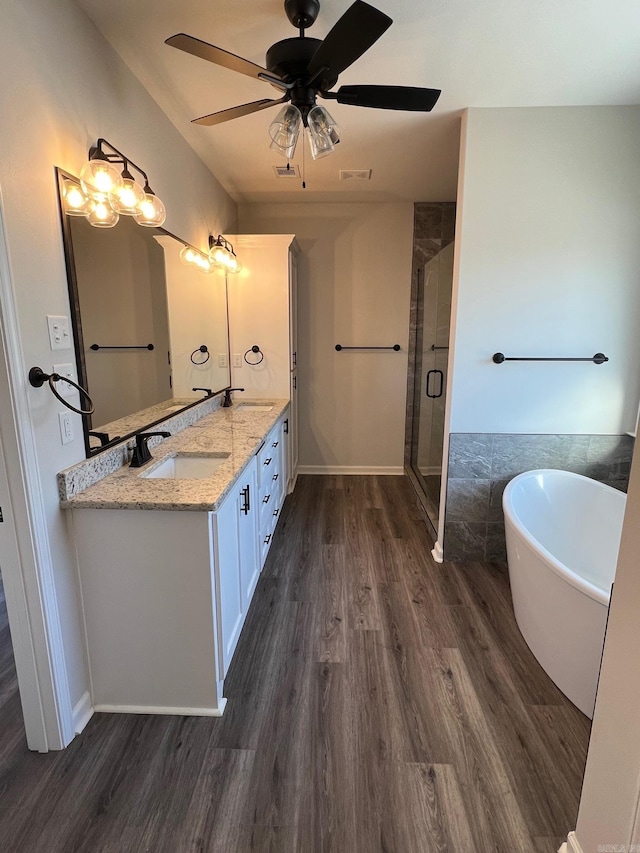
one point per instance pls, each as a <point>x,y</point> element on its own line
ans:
<point>275,444</point>
<point>275,476</point>
<point>267,539</point>
<point>276,511</point>
<point>268,461</point>
<point>265,499</point>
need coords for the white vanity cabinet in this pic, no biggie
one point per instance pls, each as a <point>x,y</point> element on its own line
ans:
<point>165,593</point>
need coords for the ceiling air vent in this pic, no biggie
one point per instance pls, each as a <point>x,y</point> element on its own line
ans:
<point>284,172</point>
<point>355,174</point>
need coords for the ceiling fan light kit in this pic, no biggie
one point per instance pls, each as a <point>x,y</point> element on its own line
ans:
<point>304,69</point>
<point>107,189</point>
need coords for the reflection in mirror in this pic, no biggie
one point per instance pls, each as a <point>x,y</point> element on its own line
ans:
<point>141,320</point>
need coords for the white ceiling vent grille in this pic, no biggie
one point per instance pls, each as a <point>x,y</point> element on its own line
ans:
<point>284,172</point>
<point>355,174</point>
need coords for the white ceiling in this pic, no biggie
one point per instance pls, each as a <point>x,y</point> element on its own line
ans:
<point>481,53</point>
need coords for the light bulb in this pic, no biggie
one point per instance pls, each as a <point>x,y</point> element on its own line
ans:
<point>191,257</point>
<point>128,197</point>
<point>99,179</point>
<point>323,132</point>
<point>234,265</point>
<point>102,215</point>
<point>284,130</point>
<point>151,211</point>
<point>74,200</point>
<point>219,256</point>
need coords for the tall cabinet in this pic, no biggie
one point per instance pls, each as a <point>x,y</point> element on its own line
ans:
<point>263,313</point>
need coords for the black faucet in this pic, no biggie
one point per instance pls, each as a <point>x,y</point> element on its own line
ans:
<point>207,391</point>
<point>227,397</point>
<point>141,453</point>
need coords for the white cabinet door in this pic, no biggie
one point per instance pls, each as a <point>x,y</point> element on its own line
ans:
<point>230,609</point>
<point>293,308</point>
<point>248,511</point>
<point>293,432</point>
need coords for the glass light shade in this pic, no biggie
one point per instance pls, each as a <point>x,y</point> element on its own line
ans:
<point>151,211</point>
<point>74,201</point>
<point>101,214</point>
<point>323,132</point>
<point>128,197</point>
<point>284,130</point>
<point>219,256</point>
<point>191,257</point>
<point>234,266</point>
<point>99,179</point>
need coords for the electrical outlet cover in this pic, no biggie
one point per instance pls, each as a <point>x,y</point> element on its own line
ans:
<point>63,388</point>
<point>223,360</point>
<point>66,427</point>
<point>59,334</point>
<point>237,359</point>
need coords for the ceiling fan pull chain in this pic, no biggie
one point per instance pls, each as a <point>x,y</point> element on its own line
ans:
<point>304,168</point>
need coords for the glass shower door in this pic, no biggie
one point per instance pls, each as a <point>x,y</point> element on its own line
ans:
<point>432,337</point>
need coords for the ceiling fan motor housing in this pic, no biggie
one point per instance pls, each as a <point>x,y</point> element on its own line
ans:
<point>290,58</point>
<point>302,13</point>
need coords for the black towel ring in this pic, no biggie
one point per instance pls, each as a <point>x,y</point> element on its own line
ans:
<point>202,349</point>
<point>37,378</point>
<point>255,349</point>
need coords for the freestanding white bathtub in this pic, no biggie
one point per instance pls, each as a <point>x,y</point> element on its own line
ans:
<point>563,534</point>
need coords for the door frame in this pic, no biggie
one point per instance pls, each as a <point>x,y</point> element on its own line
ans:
<point>25,556</point>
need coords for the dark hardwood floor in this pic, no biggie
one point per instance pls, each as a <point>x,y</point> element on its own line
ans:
<point>377,702</point>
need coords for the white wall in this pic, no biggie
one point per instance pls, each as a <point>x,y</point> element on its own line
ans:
<point>548,265</point>
<point>354,286</point>
<point>61,87</point>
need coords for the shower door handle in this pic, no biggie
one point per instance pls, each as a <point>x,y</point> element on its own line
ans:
<point>439,376</point>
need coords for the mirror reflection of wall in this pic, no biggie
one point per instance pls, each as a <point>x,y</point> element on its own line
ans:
<point>197,317</point>
<point>123,303</point>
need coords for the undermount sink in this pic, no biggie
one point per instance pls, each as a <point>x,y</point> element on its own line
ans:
<point>254,407</point>
<point>181,467</point>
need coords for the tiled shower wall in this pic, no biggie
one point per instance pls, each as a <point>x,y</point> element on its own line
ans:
<point>481,465</point>
<point>433,230</point>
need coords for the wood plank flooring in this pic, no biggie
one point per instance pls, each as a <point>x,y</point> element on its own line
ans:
<point>378,703</point>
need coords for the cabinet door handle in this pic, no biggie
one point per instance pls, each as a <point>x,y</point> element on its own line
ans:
<point>267,461</point>
<point>265,499</point>
<point>267,539</point>
<point>246,506</point>
<point>295,359</point>
<point>295,383</point>
<point>275,476</point>
<point>286,426</point>
<point>276,511</point>
<point>275,444</point>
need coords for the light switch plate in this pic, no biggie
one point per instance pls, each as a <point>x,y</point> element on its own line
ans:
<point>223,360</point>
<point>237,359</point>
<point>66,427</point>
<point>59,334</point>
<point>63,388</point>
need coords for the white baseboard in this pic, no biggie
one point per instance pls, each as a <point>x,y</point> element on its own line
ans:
<point>437,553</point>
<point>82,712</point>
<point>351,469</point>
<point>159,709</point>
<point>571,845</point>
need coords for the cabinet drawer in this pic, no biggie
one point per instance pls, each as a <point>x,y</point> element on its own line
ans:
<point>270,454</point>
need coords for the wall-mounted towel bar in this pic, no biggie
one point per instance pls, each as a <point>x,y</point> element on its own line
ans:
<point>395,347</point>
<point>96,347</point>
<point>598,358</point>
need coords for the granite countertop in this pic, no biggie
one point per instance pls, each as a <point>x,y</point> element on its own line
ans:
<point>237,431</point>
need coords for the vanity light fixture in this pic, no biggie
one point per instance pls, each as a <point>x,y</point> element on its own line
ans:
<point>192,257</point>
<point>107,183</point>
<point>222,254</point>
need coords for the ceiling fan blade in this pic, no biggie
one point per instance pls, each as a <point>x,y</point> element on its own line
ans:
<point>237,112</point>
<point>204,50</point>
<point>356,31</point>
<point>389,97</point>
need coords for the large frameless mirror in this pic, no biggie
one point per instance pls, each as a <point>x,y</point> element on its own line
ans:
<point>148,329</point>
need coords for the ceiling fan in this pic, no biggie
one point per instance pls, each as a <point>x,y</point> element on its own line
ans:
<point>304,68</point>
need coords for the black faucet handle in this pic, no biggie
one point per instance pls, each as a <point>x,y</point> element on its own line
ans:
<point>207,391</point>
<point>227,397</point>
<point>141,453</point>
